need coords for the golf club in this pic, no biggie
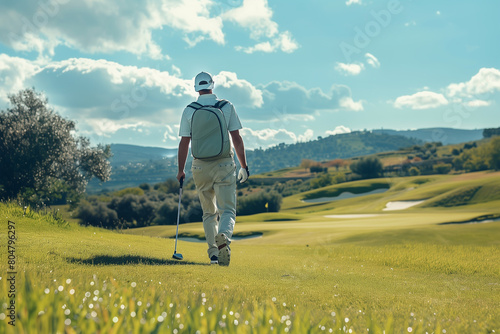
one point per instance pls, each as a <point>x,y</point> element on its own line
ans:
<point>176,255</point>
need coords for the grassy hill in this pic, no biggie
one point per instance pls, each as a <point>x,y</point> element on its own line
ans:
<point>341,265</point>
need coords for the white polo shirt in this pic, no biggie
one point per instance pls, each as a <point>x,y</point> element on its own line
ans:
<point>233,122</point>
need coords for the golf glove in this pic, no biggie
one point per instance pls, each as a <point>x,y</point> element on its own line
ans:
<point>243,174</point>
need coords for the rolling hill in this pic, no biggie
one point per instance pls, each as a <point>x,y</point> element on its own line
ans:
<point>134,165</point>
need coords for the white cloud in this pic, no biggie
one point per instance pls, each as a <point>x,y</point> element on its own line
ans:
<point>14,72</point>
<point>350,2</point>
<point>170,134</point>
<point>269,137</point>
<point>486,81</point>
<point>96,26</point>
<point>349,104</point>
<point>349,69</point>
<point>254,15</point>
<point>338,130</point>
<point>283,42</point>
<point>372,60</point>
<point>421,100</point>
<point>307,136</point>
<point>239,91</point>
<point>106,127</point>
<point>282,99</point>
<point>478,103</point>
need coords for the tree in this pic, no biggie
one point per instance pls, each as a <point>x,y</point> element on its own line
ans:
<point>367,168</point>
<point>488,133</point>
<point>39,155</point>
<point>494,150</point>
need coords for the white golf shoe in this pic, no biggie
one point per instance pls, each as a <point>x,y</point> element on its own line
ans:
<point>224,250</point>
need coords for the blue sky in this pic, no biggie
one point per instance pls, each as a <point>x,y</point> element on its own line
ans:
<point>295,70</point>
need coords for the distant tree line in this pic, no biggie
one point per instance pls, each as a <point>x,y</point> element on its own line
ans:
<point>145,205</point>
<point>488,133</point>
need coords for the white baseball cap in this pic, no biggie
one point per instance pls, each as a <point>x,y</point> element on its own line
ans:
<point>203,81</point>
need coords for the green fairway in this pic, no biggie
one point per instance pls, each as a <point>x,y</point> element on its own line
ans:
<point>314,269</point>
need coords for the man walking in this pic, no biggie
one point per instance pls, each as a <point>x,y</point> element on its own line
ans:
<point>215,176</point>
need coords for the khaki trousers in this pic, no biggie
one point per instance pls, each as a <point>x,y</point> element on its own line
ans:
<point>216,185</point>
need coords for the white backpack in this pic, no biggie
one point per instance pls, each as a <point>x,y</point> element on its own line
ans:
<point>209,134</point>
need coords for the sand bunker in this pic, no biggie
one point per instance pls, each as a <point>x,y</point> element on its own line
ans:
<point>344,195</point>
<point>400,205</point>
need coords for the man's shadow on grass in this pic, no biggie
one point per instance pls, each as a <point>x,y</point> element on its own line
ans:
<point>122,260</point>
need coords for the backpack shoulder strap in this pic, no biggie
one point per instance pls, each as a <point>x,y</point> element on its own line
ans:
<point>195,105</point>
<point>220,104</point>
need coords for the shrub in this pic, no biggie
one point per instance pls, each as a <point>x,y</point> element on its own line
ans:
<point>367,168</point>
<point>442,168</point>
<point>414,171</point>
<point>261,202</point>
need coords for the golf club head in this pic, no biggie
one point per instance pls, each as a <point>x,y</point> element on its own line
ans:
<point>177,256</point>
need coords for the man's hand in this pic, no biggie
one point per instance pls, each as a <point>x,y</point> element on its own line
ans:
<point>181,175</point>
<point>243,174</point>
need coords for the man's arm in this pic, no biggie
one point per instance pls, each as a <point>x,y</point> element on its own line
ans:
<point>182,156</point>
<point>239,148</point>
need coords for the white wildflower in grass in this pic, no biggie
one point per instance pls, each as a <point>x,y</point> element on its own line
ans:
<point>39,314</point>
<point>288,322</point>
<point>284,304</point>
<point>274,299</point>
<point>210,308</point>
<point>68,281</point>
<point>47,291</point>
<point>87,294</point>
<point>231,313</point>
<point>346,320</point>
<point>72,291</point>
<point>67,322</point>
<point>178,315</point>
<point>60,288</point>
<point>237,315</point>
<point>93,314</point>
<point>2,316</point>
<point>171,305</point>
<point>122,306</point>
<point>201,314</point>
<point>133,284</point>
<point>270,321</point>
<point>246,322</point>
<point>160,318</point>
<point>332,314</point>
<point>133,314</point>
<point>181,326</point>
<point>223,316</point>
<point>67,312</point>
<point>409,329</point>
<point>235,322</point>
<point>91,305</point>
<point>115,320</point>
<point>323,328</point>
<point>139,303</point>
<point>164,315</point>
<point>96,292</point>
<point>142,321</point>
<point>92,283</point>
